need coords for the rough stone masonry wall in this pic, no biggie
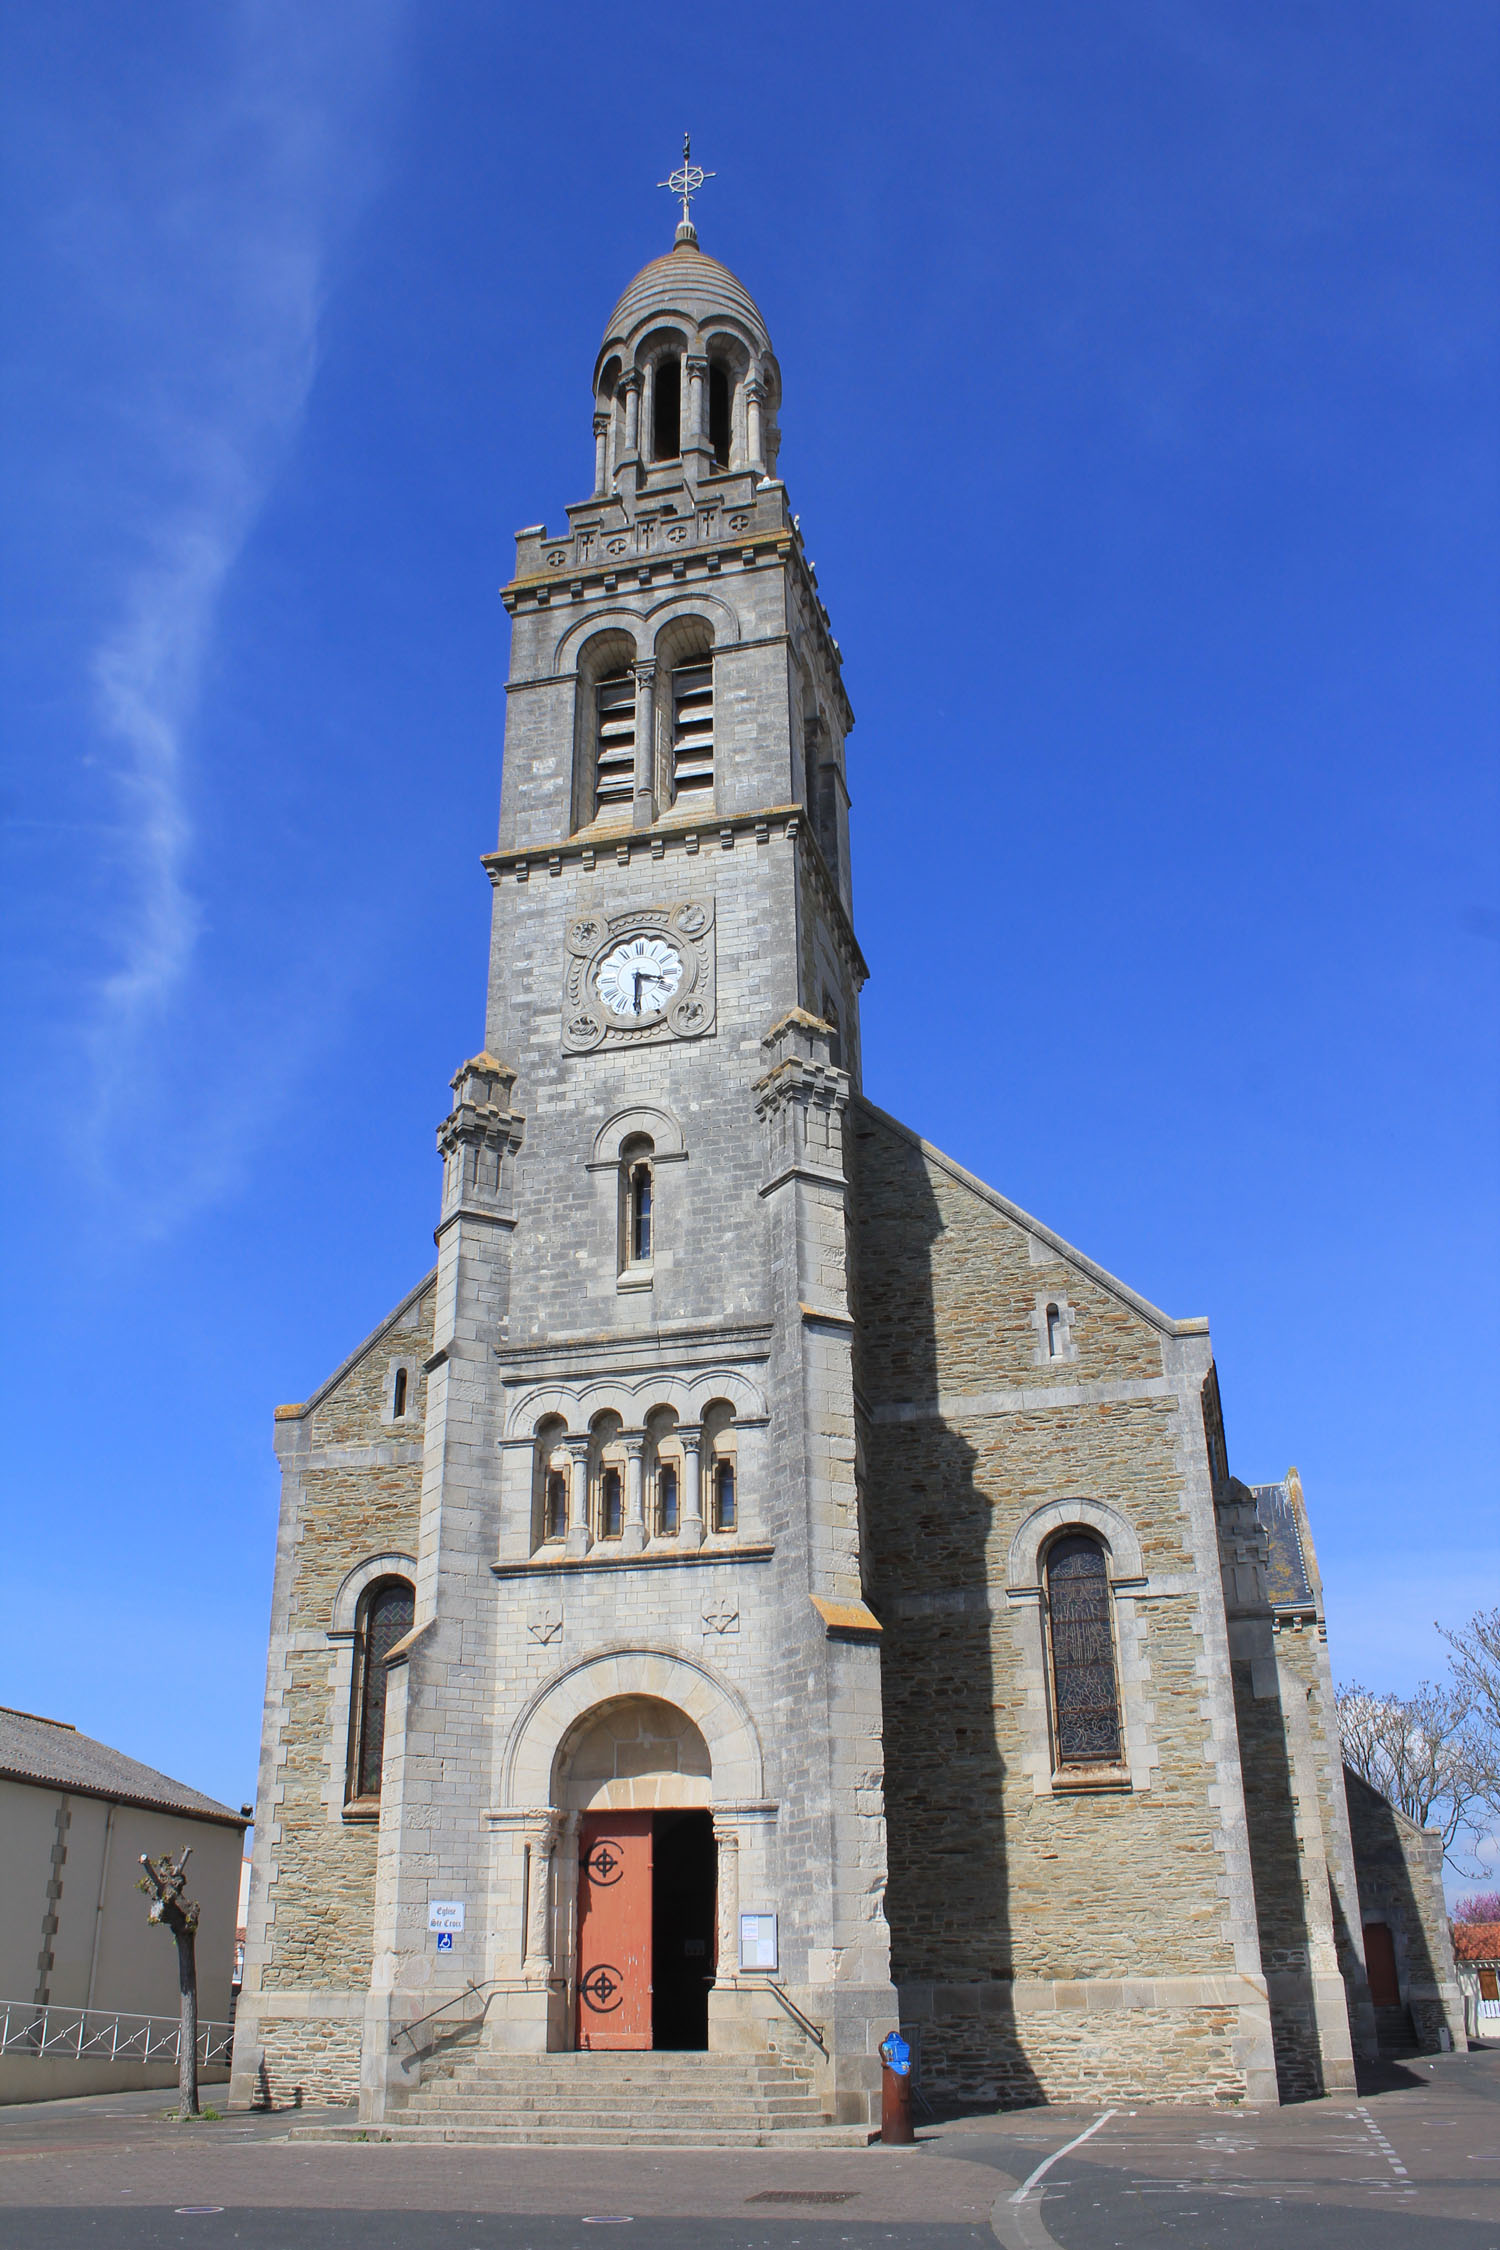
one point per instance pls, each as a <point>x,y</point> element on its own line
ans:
<point>356,1492</point>
<point>1400,1870</point>
<point>1031,1931</point>
<point>307,2061</point>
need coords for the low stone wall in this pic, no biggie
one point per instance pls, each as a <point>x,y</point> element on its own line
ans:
<point>59,2078</point>
<point>997,2044</point>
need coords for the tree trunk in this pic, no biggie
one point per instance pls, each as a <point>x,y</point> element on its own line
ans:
<point>187,2036</point>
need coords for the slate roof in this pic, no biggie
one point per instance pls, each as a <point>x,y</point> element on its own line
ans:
<point>57,1756</point>
<point>1288,1577</point>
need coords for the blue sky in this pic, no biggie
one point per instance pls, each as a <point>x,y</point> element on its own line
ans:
<point>1140,391</point>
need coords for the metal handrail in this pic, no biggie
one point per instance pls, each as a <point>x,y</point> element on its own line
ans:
<point>405,2030</point>
<point>804,2023</point>
<point>97,2035</point>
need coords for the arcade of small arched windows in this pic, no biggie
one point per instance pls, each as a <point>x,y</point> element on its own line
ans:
<point>663,1484</point>
<point>711,401</point>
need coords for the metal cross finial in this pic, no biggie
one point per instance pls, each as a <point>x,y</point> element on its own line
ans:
<point>687,179</point>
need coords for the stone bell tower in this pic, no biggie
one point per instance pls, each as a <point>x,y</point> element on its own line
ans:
<point>635,1730</point>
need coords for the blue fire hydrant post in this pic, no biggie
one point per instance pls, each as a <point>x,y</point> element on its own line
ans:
<point>895,2091</point>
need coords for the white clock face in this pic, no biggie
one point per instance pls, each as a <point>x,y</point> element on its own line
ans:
<point>637,978</point>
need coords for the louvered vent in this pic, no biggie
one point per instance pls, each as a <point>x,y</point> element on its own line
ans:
<point>615,770</point>
<point>692,729</point>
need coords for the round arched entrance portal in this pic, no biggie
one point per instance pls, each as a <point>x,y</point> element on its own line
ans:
<point>657,1759</point>
<point>636,1774</point>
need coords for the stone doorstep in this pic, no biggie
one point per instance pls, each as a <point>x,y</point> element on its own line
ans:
<point>558,2081</point>
<point>630,2116</point>
<point>617,2101</point>
<point>563,2136</point>
<point>642,2068</point>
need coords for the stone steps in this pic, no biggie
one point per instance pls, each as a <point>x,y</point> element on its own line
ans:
<point>471,2109</point>
<point>1396,2033</point>
<point>568,2136</point>
<point>611,2101</point>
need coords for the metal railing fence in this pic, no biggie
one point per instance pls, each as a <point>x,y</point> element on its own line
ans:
<point>95,2035</point>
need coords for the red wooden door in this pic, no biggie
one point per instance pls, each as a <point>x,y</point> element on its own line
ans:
<point>614,1930</point>
<point>1380,1966</point>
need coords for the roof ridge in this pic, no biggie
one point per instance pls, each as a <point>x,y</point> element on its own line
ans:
<point>14,1711</point>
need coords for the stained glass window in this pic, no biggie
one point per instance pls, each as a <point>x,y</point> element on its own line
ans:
<point>1085,1696</point>
<point>385,1618</point>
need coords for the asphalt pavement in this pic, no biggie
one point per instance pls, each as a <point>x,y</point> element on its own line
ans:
<point>1411,2164</point>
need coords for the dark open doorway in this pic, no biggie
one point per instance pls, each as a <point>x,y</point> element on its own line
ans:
<point>683,1907</point>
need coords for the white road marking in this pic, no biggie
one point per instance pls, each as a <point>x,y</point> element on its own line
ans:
<point>1386,2151</point>
<point>1047,2162</point>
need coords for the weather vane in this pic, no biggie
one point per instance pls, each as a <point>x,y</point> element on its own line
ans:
<point>687,179</point>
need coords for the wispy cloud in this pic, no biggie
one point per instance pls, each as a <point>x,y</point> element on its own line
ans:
<point>212,256</point>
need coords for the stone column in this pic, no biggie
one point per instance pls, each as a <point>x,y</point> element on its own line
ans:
<point>697,450</point>
<point>541,1837</point>
<point>601,455</point>
<point>643,809</point>
<point>690,1532</point>
<point>755,398</point>
<point>646,428</point>
<point>580,1535</point>
<point>634,1535</point>
<point>727,1838</point>
<point>630,390</point>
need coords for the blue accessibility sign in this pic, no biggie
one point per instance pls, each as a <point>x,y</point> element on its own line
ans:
<point>445,1941</point>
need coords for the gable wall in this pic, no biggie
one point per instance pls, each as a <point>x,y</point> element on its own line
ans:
<point>1017,1913</point>
<point>351,1489</point>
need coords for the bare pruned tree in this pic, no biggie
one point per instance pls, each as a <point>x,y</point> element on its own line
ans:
<point>164,1882</point>
<point>1476,1672</point>
<point>1431,1755</point>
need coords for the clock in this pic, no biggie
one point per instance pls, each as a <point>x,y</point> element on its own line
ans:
<point>638,977</point>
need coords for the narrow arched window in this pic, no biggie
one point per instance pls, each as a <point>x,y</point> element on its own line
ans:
<point>398,1395</point>
<point>725,1506</point>
<point>640,1213</point>
<point>666,410</point>
<point>384,1618</point>
<point>719,413</point>
<point>836,1043</point>
<point>668,1503</point>
<point>1054,1333</point>
<point>611,1505</point>
<point>828,813</point>
<point>1085,1692</point>
<point>614,754</point>
<point>555,1510</point>
<point>636,1236</point>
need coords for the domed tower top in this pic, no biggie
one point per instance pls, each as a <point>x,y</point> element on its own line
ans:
<point>686,383</point>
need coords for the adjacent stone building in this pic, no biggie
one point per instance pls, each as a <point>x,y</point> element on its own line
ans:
<point>761,1586</point>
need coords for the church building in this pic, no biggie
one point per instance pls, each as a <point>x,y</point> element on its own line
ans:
<point>762,1588</point>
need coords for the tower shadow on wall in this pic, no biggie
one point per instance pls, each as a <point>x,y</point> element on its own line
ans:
<point>933,1584</point>
<point>1276,1873</point>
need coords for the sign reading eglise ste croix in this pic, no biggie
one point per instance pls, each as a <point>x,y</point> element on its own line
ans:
<point>445,1915</point>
